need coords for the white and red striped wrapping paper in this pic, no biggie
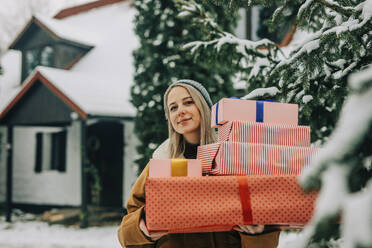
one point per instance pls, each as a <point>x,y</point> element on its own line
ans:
<point>264,133</point>
<point>237,158</point>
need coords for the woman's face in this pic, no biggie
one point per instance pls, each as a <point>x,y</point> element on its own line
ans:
<point>184,114</point>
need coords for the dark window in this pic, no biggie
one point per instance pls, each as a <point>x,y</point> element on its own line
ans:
<point>31,60</point>
<point>51,151</point>
<point>38,56</point>
<point>39,148</point>
<point>47,56</point>
<point>277,35</point>
<point>253,24</point>
<point>59,151</point>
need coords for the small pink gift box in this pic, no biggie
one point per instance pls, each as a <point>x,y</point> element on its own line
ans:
<point>257,111</point>
<point>175,168</point>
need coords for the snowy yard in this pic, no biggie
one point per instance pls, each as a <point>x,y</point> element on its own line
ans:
<point>35,234</point>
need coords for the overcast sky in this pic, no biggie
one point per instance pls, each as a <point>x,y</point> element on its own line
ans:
<point>14,14</point>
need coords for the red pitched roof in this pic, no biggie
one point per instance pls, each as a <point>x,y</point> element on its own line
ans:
<point>84,7</point>
<point>39,77</point>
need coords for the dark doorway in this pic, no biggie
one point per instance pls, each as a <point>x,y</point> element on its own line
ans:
<point>105,155</point>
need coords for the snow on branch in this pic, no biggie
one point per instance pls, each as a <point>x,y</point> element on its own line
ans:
<point>334,163</point>
<point>303,8</point>
<point>358,81</point>
<point>196,13</point>
<point>329,202</point>
<point>219,39</point>
<point>262,92</point>
<point>279,11</point>
<point>347,136</point>
<point>361,202</point>
<point>241,45</point>
<point>347,11</point>
<point>314,43</point>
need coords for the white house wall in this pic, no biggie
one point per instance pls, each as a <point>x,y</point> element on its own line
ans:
<point>241,28</point>
<point>48,187</point>
<point>130,154</point>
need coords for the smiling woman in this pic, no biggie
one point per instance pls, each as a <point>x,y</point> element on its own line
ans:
<point>187,107</point>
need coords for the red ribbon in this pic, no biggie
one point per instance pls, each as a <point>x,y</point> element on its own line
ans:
<point>245,199</point>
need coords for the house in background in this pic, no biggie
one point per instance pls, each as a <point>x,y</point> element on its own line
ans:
<point>252,26</point>
<point>66,121</point>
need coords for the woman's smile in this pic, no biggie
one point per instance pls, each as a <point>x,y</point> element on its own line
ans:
<point>184,121</point>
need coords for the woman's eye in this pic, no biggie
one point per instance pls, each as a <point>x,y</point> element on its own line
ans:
<point>189,102</point>
<point>173,108</point>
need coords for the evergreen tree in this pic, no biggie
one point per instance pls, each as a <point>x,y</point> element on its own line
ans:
<point>160,61</point>
<point>314,74</point>
<point>272,32</point>
<point>343,168</point>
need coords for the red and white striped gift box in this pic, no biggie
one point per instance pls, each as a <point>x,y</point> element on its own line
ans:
<point>236,158</point>
<point>264,133</point>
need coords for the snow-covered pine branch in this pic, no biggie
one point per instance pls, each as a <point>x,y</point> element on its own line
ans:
<point>317,40</point>
<point>345,10</point>
<point>346,152</point>
<point>192,11</point>
<point>249,58</point>
<point>261,93</point>
<point>245,48</point>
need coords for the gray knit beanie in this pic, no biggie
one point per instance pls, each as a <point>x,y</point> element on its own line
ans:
<point>197,86</point>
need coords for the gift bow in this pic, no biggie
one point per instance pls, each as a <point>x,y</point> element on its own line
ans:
<point>178,167</point>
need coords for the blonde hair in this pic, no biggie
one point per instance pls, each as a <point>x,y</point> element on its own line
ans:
<point>177,143</point>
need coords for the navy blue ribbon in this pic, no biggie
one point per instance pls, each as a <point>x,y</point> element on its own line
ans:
<point>217,114</point>
<point>260,110</point>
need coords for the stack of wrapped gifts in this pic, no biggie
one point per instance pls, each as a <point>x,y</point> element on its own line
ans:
<point>260,152</point>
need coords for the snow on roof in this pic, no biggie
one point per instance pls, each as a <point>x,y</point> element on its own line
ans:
<point>68,32</point>
<point>10,80</point>
<point>300,37</point>
<point>95,95</point>
<point>100,81</point>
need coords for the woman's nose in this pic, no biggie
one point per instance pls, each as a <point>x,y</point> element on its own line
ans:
<point>181,111</point>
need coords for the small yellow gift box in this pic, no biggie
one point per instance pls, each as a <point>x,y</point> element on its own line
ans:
<point>175,168</point>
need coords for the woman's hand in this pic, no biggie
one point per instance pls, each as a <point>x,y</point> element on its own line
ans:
<point>154,235</point>
<point>251,229</point>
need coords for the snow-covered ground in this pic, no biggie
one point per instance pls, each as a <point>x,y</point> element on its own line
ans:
<point>26,232</point>
<point>23,233</point>
<point>36,234</point>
